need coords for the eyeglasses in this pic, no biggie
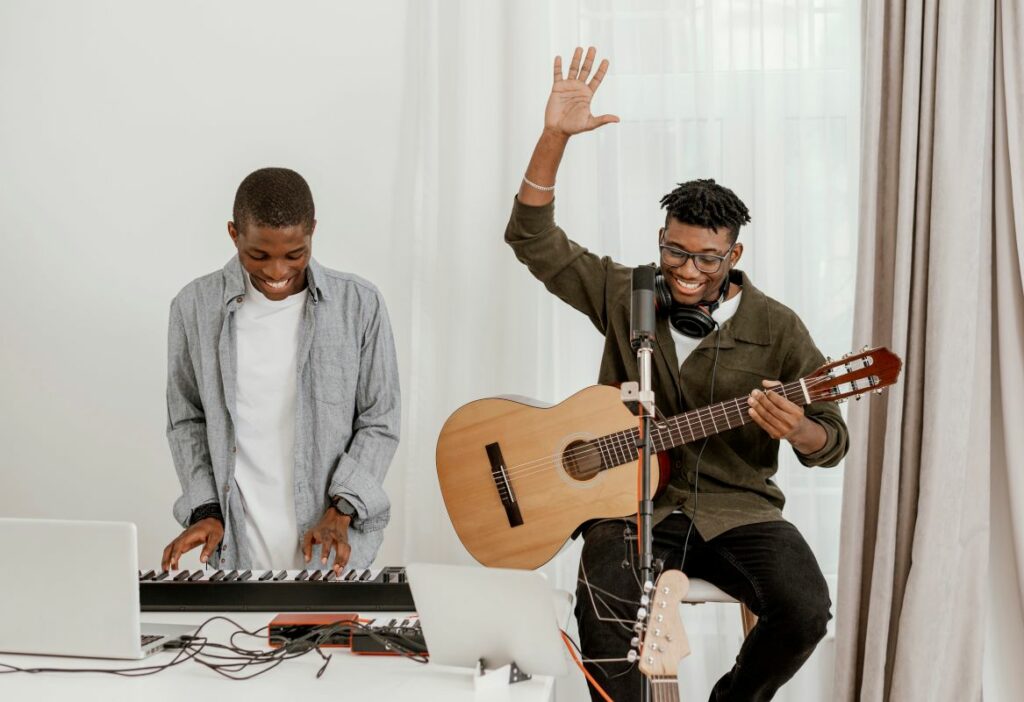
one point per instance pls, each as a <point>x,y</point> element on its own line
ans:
<point>705,263</point>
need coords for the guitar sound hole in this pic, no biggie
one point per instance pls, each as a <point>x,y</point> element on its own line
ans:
<point>582,460</point>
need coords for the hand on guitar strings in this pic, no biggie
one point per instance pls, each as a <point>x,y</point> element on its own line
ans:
<point>783,419</point>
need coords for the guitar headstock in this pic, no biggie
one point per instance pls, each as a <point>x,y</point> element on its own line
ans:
<point>664,641</point>
<point>870,370</point>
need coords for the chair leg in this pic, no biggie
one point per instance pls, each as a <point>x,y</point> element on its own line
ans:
<point>749,619</point>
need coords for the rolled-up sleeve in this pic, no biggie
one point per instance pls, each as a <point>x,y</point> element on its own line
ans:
<point>567,269</point>
<point>359,474</point>
<point>186,424</point>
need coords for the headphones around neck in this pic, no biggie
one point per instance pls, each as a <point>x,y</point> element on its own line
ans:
<point>691,320</point>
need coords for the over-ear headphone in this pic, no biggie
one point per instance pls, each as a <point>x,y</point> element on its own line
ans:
<point>690,320</point>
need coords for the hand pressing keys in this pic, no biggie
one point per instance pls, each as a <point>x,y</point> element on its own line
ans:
<point>330,532</point>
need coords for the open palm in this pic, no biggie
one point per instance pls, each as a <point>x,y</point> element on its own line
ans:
<point>568,108</point>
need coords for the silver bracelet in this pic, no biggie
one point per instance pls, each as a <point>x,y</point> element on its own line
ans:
<point>542,188</point>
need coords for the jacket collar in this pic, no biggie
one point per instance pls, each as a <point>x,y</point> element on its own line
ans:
<point>234,280</point>
<point>751,323</point>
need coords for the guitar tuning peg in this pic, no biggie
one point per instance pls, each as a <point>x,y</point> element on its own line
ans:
<point>864,348</point>
<point>879,391</point>
<point>845,356</point>
<point>858,397</point>
<point>828,359</point>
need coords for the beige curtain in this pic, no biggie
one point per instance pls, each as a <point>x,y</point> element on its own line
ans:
<point>912,581</point>
<point>1004,674</point>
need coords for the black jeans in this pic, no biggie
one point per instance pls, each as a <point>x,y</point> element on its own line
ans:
<point>767,566</point>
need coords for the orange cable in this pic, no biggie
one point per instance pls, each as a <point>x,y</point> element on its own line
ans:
<point>572,652</point>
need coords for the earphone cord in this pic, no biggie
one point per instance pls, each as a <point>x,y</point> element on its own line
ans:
<point>694,491</point>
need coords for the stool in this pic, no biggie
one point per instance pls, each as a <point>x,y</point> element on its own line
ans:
<point>702,591</point>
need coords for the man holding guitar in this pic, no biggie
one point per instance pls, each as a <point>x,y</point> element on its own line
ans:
<point>717,337</point>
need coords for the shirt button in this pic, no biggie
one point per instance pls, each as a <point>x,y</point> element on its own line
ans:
<point>239,299</point>
<point>227,489</point>
<point>234,449</point>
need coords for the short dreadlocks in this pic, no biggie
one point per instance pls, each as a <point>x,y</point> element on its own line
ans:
<point>704,203</point>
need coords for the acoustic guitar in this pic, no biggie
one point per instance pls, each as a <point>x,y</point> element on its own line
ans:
<point>518,478</point>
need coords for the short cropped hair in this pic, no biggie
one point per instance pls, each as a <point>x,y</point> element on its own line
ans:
<point>274,197</point>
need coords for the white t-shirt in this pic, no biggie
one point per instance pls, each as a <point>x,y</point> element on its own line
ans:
<point>267,332</point>
<point>686,344</point>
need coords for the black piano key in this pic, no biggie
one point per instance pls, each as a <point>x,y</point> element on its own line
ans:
<point>365,575</point>
<point>303,574</point>
<point>331,576</point>
<point>217,576</point>
<point>195,576</point>
<point>161,575</point>
<point>147,575</point>
<point>350,576</point>
<point>245,576</point>
<point>233,575</point>
<point>316,575</point>
<point>282,575</point>
<point>182,575</point>
<point>267,576</point>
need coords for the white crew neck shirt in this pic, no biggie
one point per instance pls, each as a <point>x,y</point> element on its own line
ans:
<point>267,334</point>
<point>686,344</point>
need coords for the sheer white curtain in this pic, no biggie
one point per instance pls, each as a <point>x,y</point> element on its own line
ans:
<point>760,95</point>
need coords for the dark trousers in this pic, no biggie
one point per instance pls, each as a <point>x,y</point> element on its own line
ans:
<point>768,566</point>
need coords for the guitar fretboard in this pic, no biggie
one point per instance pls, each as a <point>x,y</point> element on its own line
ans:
<point>621,447</point>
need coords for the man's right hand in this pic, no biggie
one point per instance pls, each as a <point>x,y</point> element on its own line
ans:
<point>568,108</point>
<point>206,533</point>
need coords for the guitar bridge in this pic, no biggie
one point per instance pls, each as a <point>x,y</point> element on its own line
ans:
<point>499,472</point>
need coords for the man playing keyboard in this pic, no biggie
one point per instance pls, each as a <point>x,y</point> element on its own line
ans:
<point>282,397</point>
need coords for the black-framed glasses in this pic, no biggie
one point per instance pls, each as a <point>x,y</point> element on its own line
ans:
<point>704,262</point>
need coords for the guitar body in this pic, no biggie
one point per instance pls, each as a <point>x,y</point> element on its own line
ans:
<point>553,483</point>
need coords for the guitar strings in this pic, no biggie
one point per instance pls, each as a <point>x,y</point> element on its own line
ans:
<point>620,442</point>
<point>543,464</point>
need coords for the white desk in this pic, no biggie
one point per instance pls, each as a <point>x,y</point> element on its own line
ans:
<point>347,677</point>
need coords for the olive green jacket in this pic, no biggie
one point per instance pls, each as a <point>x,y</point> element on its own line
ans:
<point>764,339</point>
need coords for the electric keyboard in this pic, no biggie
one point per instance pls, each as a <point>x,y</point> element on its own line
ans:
<point>384,589</point>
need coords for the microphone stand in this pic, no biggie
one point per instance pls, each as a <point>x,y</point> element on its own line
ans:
<point>645,509</point>
<point>640,398</point>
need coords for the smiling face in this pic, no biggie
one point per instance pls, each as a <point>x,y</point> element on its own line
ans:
<point>689,285</point>
<point>275,258</point>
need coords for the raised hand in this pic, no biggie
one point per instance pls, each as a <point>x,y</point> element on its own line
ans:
<point>568,109</point>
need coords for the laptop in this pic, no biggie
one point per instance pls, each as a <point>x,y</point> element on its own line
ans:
<point>496,616</point>
<point>71,588</point>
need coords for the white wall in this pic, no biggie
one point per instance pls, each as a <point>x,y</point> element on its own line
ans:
<point>124,130</point>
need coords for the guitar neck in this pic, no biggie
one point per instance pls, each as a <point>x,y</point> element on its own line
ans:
<point>664,688</point>
<point>685,428</point>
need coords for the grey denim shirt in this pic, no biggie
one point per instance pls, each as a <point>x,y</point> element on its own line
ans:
<point>347,411</point>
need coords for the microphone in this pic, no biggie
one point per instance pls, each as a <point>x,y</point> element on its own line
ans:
<point>641,321</point>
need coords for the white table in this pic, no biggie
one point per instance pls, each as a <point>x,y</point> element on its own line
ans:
<point>348,676</point>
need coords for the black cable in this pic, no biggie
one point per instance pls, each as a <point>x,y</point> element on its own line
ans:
<point>195,648</point>
<point>696,470</point>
